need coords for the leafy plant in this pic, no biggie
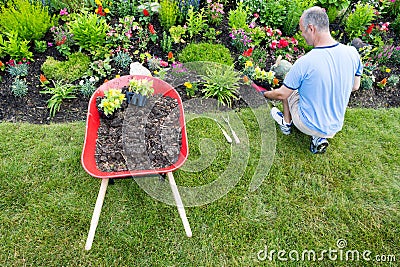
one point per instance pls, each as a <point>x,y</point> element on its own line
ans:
<point>238,17</point>
<point>294,9</point>
<point>141,86</point>
<point>393,80</point>
<point>87,86</point>
<point>125,8</point>
<point>89,32</point>
<point>166,42</point>
<point>206,52</point>
<point>122,59</point>
<point>19,87</point>
<point>196,22</point>
<point>17,69</point>
<point>240,39</point>
<point>15,47</point>
<point>59,92</point>
<point>214,12</point>
<point>30,20</point>
<point>112,100</point>
<point>184,7</point>
<point>221,82</point>
<point>357,21</point>
<point>70,70</point>
<point>191,88</point>
<point>168,14</point>
<point>40,46</point>
<point>102,68</point>
<point>177,33</point>
<point>333,7</point>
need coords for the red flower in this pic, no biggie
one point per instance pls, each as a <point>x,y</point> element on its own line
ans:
<point>99,11</point>
<point>170,55</point>
<point>248,52</point>
<point>370,28</point>
<point>151,29</point>
<point>283,43</point>
<point>146,13</point>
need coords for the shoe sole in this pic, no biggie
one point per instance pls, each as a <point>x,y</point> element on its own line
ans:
<point>321,148</point>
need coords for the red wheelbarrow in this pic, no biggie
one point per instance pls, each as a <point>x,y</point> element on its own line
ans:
<point>89,148</point>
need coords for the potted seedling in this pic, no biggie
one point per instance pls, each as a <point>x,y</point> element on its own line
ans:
<point>139,90</point>
<point>110,103</point>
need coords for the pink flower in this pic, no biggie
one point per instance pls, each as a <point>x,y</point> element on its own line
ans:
<point>252,25</point>
<point>278,32</point>
<point>63,12</point>
<point>269,31</point>
<point>163,63</point>
<point>49,44</point>
<point>273,44</point>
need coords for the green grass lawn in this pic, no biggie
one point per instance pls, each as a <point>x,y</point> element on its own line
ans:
<point>306,202</point>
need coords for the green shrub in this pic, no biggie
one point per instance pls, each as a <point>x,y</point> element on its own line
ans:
<point>89,32</point>
<point>72,69</point>
<point>30,21</point>
<point>206,52</point>
<point>16,48</point>
<point>294,10</point>
<point>196,22</point>
<point>168,13</point>
<point>222,83</point>
<point>237,18</point>
<point>396,24</point>
<point>357,21</point>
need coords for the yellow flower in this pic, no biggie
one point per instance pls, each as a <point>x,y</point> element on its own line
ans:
<point>248,64</point>
<point>388,70</point>
<point>188,85</point>
<point>156,72</point>
<point>117,76</point>
<point>98,2</point>
<point>106,10</point>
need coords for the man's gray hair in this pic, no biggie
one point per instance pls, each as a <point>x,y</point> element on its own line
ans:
<point>317,17</point>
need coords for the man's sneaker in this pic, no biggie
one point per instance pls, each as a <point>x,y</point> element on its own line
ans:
<point>277,115</point>
<point>318,145</point>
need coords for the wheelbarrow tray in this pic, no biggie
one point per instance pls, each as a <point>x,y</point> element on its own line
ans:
<point>93,122</point>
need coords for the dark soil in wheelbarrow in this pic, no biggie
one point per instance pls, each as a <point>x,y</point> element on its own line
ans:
<point>140,138</point>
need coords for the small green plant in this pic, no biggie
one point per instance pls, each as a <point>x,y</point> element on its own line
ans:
<point>102,68</point>
<point>89,33</point>
<point>206,52</point>
<point>166,43</point>
<point>168,13</point>
<point>238,17</point>
<point>177,33</point>
<point>122,59</point>
<point>393,80</point>
<point>357,21</point>
<point>125,8</point>
<point>40,46</point>
<point>367,82</point>
<point>30,20</point>
<point>87,86</point>
<point>19,69</point>
<point>112,100</point>
<point>141,86</point>
<point>210,35</point>
<point>70,70</point>
<point>59,92</point>
<point>221,82</point>
<point>184,7</point>
<point>191,88</point>
<point>19,87</point>
<point>196,22</point>
<point>15,47</point>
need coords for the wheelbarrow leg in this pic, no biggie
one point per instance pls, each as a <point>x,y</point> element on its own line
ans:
<point>179,204</point>
<point>96,213</point>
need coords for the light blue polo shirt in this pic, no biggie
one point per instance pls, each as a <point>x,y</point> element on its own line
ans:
<point>324,78</point>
